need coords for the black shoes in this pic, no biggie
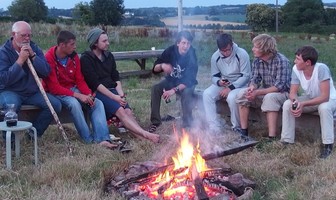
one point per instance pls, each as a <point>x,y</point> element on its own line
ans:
<point>326,150</point>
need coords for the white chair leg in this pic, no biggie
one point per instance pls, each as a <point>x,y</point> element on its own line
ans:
<point>35,145</point>
<point>8,150</point>
<point>17,143</point>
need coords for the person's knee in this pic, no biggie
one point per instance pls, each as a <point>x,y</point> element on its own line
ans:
<point>74,105</point>
<point>206,95</point>
<point>121,113</point>
<point>287,105</point>
<point>57,105</point>
<point>324,108</point>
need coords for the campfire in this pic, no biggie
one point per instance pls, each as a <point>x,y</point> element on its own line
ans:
<point>187,177</point>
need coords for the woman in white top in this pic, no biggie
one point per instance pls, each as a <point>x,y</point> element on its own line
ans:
<point>319,95</point>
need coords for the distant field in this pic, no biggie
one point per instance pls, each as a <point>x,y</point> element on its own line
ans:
<point>195,20</point>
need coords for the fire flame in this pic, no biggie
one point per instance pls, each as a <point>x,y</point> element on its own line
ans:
<point>173,181</point>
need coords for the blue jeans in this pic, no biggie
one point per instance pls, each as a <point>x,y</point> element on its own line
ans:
<point>97,118</point>
<point>44,118</point>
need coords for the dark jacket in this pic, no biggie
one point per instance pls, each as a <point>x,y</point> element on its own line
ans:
<point>19,79</point>
<point>185,67</point>
<point>98,72</point>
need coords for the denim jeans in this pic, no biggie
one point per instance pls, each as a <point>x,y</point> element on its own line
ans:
<point>97,118</point>
<point>44,118</point>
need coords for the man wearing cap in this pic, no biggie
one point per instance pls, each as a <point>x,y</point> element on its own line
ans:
<point>67,83</point>
<point>100,72</point>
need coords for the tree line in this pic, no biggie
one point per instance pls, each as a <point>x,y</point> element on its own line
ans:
<point>294,16</point>
<point>310,16</point>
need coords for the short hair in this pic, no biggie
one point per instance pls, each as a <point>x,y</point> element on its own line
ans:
<point>65,36</point>
<point>18,25</point>
<point>266,43</point>
<point>308,53</point>
<point>186,34</point>
<point>223,40</point>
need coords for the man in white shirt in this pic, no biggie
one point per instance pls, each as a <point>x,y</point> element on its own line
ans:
<point>319,95</point>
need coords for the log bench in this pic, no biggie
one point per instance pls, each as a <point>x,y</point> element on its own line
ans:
<point>28,112</point>
<point>309,123</point>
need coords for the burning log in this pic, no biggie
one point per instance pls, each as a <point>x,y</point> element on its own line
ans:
<point>198,184</point>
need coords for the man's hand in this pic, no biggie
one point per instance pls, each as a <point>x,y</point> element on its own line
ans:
<point>224,83</point>
<point>87,99</point>
<point>23,56</point>
<point>121,100</point>
<point>251,93</point>
<point>224,92</point>
<point>167,94</point>
<point>27,47</point>
<point>298,110</point>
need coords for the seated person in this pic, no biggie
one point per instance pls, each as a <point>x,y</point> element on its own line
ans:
<point>100,72</point>
<point>17,83</point>
<point>269,84</point>
<point>230,71</point>
<point>179,63</point>
<point>319,95</point>
<point>67,83</point>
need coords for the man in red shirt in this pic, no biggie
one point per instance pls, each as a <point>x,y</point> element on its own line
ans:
<point>67,83</point>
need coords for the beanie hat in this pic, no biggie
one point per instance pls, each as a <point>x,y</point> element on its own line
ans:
<point>93,35</point>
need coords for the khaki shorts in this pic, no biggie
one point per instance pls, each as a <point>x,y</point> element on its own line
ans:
<point>269,102</point>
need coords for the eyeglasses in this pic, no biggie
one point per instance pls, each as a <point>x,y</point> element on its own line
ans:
<point>25,35</point>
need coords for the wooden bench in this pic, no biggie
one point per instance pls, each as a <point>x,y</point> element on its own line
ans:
<point>140,58</point>
<point>308,122</point>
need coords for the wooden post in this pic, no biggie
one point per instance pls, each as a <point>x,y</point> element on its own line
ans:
<point>52,110</point>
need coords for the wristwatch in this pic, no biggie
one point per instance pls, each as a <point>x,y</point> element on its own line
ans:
<point>176,89</point>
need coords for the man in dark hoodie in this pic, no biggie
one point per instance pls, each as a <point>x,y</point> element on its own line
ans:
<point>17,83</point>
<point>179,63</point>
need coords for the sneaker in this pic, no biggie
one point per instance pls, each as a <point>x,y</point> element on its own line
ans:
<point>326,150</point>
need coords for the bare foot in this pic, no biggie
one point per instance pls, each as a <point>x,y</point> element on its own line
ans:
<point>108,145</point>
<point>153,137</point>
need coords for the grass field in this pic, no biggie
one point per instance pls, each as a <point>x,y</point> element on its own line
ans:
<point>291,173</point>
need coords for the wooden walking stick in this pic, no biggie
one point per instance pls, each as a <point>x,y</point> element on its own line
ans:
<point>52,110</point>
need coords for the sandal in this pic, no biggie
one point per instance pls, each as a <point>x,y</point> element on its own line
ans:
<point>167,118</point>
<point>152,128</point>
<point>120,146</point>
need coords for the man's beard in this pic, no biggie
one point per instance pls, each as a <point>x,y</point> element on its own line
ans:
<point>21,44</point>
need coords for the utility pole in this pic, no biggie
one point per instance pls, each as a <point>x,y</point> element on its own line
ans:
<point>180,15</point>
<point>276,17</point>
